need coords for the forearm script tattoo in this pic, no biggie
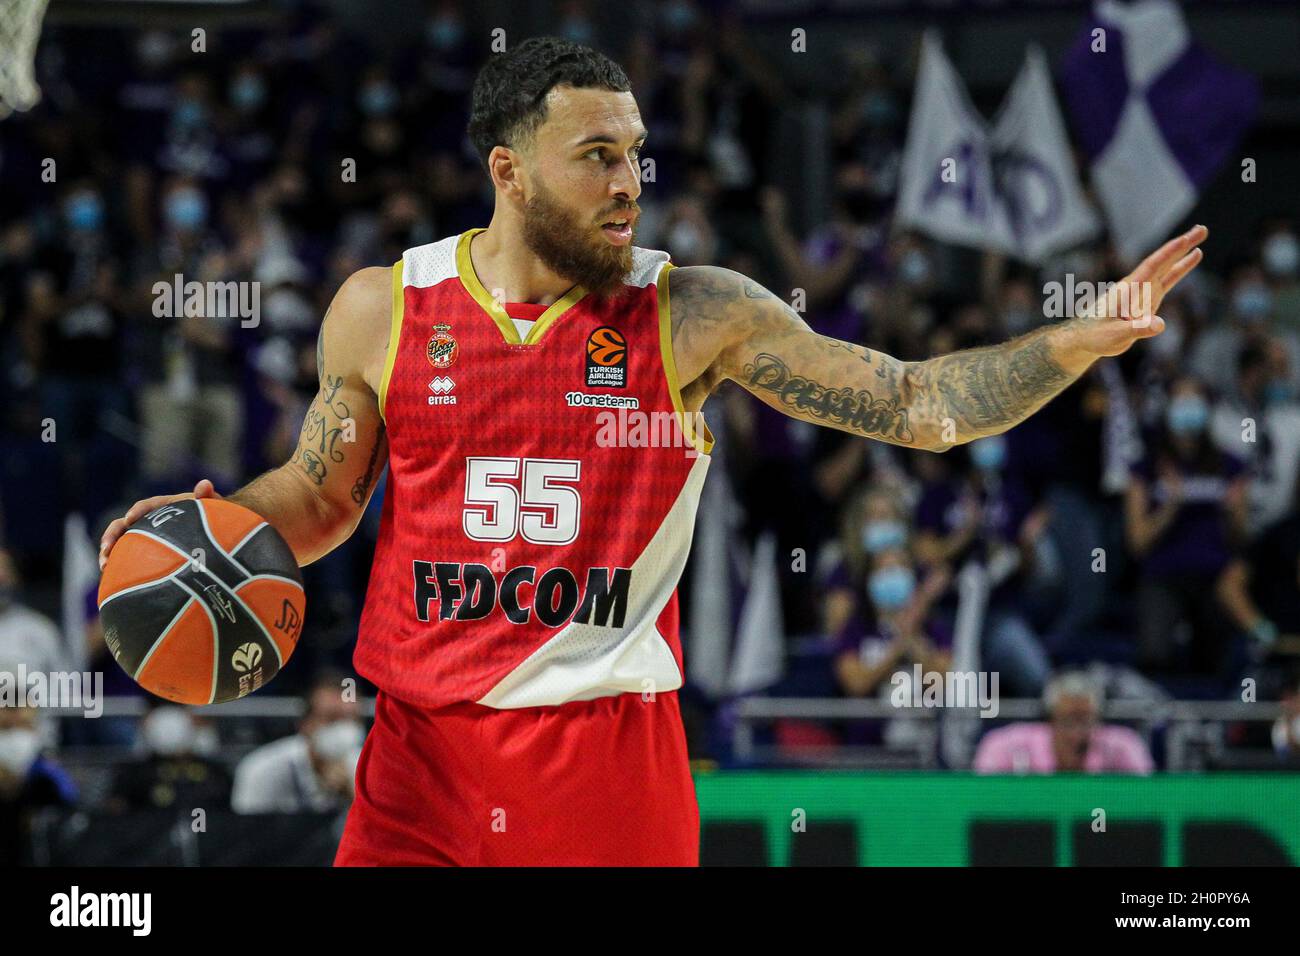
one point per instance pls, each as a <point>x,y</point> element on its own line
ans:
<point>767,347</point>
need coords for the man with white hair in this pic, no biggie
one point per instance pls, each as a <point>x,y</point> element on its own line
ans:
<point>1072,739</point>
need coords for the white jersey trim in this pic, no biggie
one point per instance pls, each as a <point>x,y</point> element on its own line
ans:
<point>585,661</point>
<point>434,262</point>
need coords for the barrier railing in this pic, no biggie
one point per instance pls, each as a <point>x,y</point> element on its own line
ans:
<point>1193,729</point>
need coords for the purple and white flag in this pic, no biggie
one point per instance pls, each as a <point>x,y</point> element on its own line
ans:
<point>1156,115</point>
<point>1011,187</point>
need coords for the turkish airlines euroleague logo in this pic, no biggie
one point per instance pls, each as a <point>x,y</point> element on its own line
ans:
<point>606,358</point>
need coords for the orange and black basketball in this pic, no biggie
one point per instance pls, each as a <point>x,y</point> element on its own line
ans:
<point>606,346</point>
<point>201,601</point>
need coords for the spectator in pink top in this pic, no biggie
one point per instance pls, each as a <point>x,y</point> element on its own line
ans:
<point>1073,739</point>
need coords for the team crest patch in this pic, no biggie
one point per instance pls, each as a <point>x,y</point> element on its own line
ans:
<point>442,347</point>
<point>606,358</point>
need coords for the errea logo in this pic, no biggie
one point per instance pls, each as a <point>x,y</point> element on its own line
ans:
<point>442,386</point>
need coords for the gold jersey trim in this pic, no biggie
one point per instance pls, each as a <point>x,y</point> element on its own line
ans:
<point>394,336</point>
<point>703,442</point>
<point>470,280</point>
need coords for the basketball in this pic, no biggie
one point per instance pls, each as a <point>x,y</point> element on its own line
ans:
<point>202,601</point>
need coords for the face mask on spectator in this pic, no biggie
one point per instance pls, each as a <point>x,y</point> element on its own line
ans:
<point>881,535</point>
<point>248,93</point>
<point>878,109</point>
<point>1252,302</point>
<point>989,454</point>
<point>154,49</point>
<point>378,99</point>
<point>1281,254</point>
<point>1187,415</point>
<point>578,30</point>
<point>914,268</point>
<point>189,114</point>
<point>684,239</point>
<point>1169,343</point>
<point>287,308</point>
<point>1278,391</point>
<point>85,212</point>
<point>168,731</point>
<point>445,32</point>
<point>679,16</point>
<point>19,748</point>
<point>338,740</point>
<point>186,209</point>
<point>891,588</point>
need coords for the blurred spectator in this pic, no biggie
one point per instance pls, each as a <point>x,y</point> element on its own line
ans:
<point>1250,310</point>
<point>190,407</point>
<point>174,773</point>
<point>26,637</point>
<point>987,516</point>
<point>28,780</point>
<point>874,521</point>
<point>894,630</point>
<point>1280,255</point>
<point>314,769</point>
<point>1286,729</point>
<point>1073,739</point>
<point>1259,421</point>
<point>1260,588</point>
<point>886,637</point>
<point>1185,509</point>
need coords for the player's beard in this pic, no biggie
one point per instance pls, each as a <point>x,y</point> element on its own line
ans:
<point>573,249</point>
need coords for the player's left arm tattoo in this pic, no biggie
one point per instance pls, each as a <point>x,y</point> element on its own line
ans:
<point>765,346</point>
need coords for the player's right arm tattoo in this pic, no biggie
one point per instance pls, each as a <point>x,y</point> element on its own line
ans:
<point>765,346</point>
<point>327,429</point>
<point>361,489</point>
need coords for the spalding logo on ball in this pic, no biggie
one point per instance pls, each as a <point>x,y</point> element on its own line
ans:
<point>201,601</point>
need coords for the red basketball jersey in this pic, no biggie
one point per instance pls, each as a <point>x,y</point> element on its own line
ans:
<point>541,493</point>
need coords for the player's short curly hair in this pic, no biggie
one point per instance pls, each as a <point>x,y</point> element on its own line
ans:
<point>509,99</point>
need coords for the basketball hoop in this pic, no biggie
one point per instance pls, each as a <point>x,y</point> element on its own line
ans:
<point>20,29</point>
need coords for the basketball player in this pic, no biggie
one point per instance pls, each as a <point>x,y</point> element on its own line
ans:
<point>521,622</point>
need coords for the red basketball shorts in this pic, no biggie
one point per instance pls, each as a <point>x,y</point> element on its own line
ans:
<point>589,783</point>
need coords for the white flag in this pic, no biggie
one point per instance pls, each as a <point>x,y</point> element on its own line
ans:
<point>1014,188</point>
<point>1034,168</point>
<point>947,185</point>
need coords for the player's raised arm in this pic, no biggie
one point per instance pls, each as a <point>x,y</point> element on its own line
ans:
<point>726,326</point>
<point>316,499</point>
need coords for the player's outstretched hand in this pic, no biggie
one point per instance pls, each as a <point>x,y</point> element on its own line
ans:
<point>115,530</point>
<point>1128,311</point>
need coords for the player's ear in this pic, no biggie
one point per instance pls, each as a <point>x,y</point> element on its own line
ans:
<point>508,175</point>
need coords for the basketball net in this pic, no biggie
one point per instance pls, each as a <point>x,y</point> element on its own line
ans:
<point>20,29</point>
